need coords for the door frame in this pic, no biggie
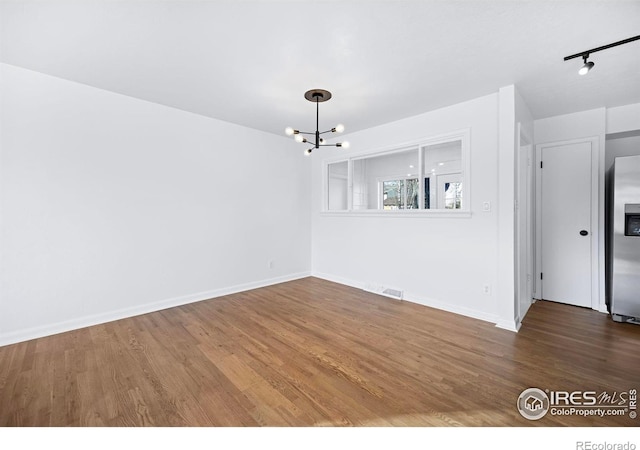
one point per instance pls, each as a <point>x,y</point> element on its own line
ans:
<point>595,231</point>
<point>525,256</point>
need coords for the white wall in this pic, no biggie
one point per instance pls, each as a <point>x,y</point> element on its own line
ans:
<point>112,206</point>
<point>582,124</point>
<point>444,262</point>
<point>506,216</point>
<point>524,117</point>
<point>623,133</point>
<point>623,118</point>
<point>628,145</point>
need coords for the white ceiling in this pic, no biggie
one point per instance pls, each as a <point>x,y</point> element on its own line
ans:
<point>250,62</point>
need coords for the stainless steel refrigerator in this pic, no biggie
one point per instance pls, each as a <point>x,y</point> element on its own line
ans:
<point>624,239</point>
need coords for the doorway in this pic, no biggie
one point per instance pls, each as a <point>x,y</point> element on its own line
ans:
<point>567,220</point>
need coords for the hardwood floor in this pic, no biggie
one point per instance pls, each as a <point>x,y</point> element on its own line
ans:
<point>314,353</point>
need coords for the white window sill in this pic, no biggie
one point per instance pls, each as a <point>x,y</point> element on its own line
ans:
<point>406,213</point>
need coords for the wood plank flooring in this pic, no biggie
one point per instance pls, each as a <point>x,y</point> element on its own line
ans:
<point>314,353</point>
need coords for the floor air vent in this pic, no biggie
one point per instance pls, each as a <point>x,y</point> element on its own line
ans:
<point>393,293</point>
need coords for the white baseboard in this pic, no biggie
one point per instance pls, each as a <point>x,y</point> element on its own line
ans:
<point>510,325</point>
<point>414,298</point>
<point>452,308</point>
<point>110,316</point>
<point>337,279</point>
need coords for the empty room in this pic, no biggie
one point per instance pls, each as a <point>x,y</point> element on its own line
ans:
<point>319,214</point>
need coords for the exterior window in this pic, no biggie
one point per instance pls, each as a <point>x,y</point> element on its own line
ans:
<point>452,195</point>
<point>399,194</point>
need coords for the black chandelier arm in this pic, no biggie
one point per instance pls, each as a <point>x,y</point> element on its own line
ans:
<point>311,133</point>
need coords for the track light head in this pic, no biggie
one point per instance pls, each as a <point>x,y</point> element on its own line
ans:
<point>587,66</point>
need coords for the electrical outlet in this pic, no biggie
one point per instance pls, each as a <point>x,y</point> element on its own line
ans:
<point>486,206</point>
<point>486,289</point>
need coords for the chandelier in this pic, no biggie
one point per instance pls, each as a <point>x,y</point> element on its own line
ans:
<point>318,96</point>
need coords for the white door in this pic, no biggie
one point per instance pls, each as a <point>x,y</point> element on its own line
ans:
<point>566,223</point>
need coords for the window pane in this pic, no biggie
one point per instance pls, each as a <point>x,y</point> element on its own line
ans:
<point>370,175</point>
<point>413,187</point>
<point>360,186</point>
<point>453,195</point>
<point>442,166</point>
<point>338,187</point>
<point>400,194</point>
<point>392,192</point>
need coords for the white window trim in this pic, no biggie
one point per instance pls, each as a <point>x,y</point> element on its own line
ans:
<point>463,135</point>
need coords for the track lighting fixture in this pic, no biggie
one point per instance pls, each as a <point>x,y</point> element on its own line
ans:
<point>317,96</point>
<point>587,66</point>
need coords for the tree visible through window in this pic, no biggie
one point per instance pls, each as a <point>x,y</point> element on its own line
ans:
<point>400,194</point>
